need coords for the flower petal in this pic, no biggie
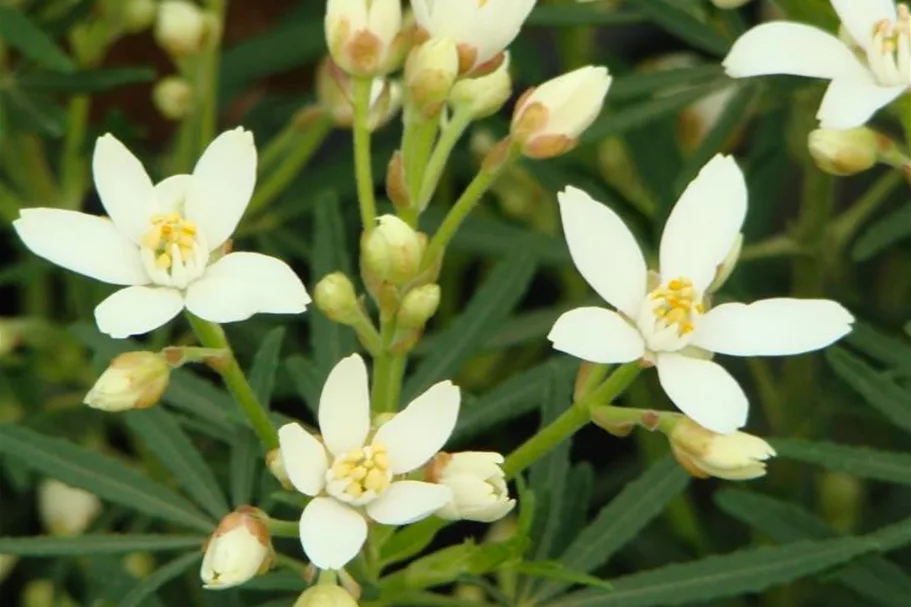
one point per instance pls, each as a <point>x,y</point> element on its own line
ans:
<point>860,18</point>
<point>137,310</point>
<point>704,224</point>
<point>597,335</point>
<point>796,49</point>
<point>344,406</point>
<point>220,299</point>
<point>849,104</point>
<point>604,250</point>
<point>704,391</point>
<point>304,458</point>
<point>86,244</point>
<point>773,327</point>
<point>422,428</point>
<point>223,182</point>
<point>271,284</point>
<point>171,193</point>
<point>124,187</point>
<point>331,533</point>
<point>408,501</point>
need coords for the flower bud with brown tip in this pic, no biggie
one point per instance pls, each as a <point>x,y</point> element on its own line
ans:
<point>737,456</point>
<point>133,380</point>
<point>240,549</point>
<point>430,71</point>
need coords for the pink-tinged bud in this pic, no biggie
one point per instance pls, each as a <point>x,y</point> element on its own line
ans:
<point>133,380</point>
<point>240,549</point>
<point>549,119</point>
<point>364,36</point>
<point>737,456</point>
<point>478,485</point>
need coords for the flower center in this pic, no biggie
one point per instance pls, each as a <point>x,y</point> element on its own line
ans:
<point>889,54</point>
<point>359,476</point>
<point>668,317</point>
<point>173,252</point>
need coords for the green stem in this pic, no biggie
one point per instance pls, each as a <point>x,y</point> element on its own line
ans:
<point>279,528</point>
<point>362,161</point>
<point>211,335</point>
<point>450,135</point>
<point>387,372</point>
<point>293,162</point>
<point>208,83</point>
<point>846,225</point>
<point>573,419</point>
<point>72,164</point>
<point>611,416</point>
<point>776,246</point>
<point>367,333</point>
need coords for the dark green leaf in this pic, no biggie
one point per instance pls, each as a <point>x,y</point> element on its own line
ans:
<point>34,113</point>
<point>18,31</point>
<point>88,81</point>
<point>881,392</point>
<point>567,15</point>
<point>641,84</point>
<point>859,461</point>
<point>159,578</point>
<point>669,15</point>
<point>265,365</point>
<point>553,570</point>
<point>307,380</point>
<point>114,543</point>
<point>894,227</point>
<point>892,351</point>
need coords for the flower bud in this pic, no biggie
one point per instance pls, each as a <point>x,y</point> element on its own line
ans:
<point>392,251</point>
<point>728,4</point>
<point>364,36</point>
<point>182,28</point>
<point>66,510</point>
<point>239,549</point>
<point>549,119</point>
<point>134,380</point>
<point>334,91</point>
<point>335,297</point>
<point>138,15</point>
<point>430,71</point>
<point>726,267</point>
<point>418,306</point>
<point>844,152</point>
<point>325,595</point>
<point>173,97</point>
<point>479,491</point>
<point>737,456</point>
<point>484,95</point>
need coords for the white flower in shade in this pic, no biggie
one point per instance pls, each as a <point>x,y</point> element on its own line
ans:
<point>239,549</point>
<point>860,85</point>
<point>665,321</point>
<point>66,510</point>
<point>548,119</point>
<point>482,29</point>
<point>479,491</point>
<point>736,457</point>
<point>162,241</point>
<point>352,472</point>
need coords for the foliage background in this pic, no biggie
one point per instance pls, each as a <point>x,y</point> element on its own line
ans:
<point>840,420</point>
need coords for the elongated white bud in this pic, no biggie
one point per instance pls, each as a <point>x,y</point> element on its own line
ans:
<point>737,456</point>
<point>479,491</point>
<point>134,380</point>
<point>239,549</point>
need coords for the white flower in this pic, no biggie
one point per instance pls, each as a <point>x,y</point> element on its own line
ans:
<point>737,456</point>
<point>548,119</point>
<point>161,240</point>
<point>351,473</point>
<point>363,35</point>
<point>665,321</point>
<point>860,86</point>
<point>482,29</point>
<point>66,510</point>
<point>479,491</point>
<point>239,549</point>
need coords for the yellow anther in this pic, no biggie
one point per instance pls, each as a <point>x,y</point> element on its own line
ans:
<point>381,460</point>
<point>675,316</point>
<point>354,490</point>
<point>368,464</point>
<point>375,481</point>
<point>163,261</point>
<point>355,456</point>
<point>358,473</point>
<point>675,285</point>
<point>340,469</point>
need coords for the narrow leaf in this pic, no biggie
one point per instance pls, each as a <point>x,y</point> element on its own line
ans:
<point>893,228</point>
<point>105,477</point>
<point>554,570</point>
<point>307,380</point>
<point>113,543</point>
<point>893,351</point>
<point>860,461</point>
<point>642,84</point>
<point>88,81</point>
<point>881,392</point>
<point>162,576</point>
<point>676,20</point>
<point>567,15</point>
<point>18,31</point>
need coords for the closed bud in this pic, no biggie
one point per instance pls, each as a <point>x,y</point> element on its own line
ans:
<point>134,380</point>
<point>728,4</point>
<point>478,485</point>
<point>334,91</point>
<point>430,71</point>
<point>737,456</point>
<point>325,595</point>
<point>726,267</point>
<point>549,119</point>
<point>392,251</point>
<point>844,152</point>
<point>139,15</point>
<point>364,36</point>
<point>418,306</point>
<point>66,510</point>
<point>335,297</point>
<point>239,549</point>
<point>173,97</point>
<point>182,28</point>
<point>485,95</point>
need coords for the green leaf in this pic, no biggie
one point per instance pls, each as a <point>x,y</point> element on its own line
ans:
<point>881,392</point>
<point>871,576</point>
<point>568,15</point>
<point>166,440</point>
<point>621,520</point>
<point>893,228</point>
<point>331,341</point>
<point>307,380</point>
<point>410,540</point>
<point>642,84</point>
<point>265,365</point>
<point>726,575</point>
<point>491,304</point>
<point>554,570</point>
<point>671,17</point>
<point>34,113</point>
<point>18,31</point>
<point>893,351</point>
<point>859,461</point>
<point>105,477</point>
<point>87,81</point>
<point>814,12</point>
<point>113,543</point>
<point>159,578</point>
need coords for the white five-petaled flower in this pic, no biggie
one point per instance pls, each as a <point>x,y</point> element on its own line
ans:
<point>160,241</point>
<point>351,473</point>
<point>665,321</point>
<point>482,29</point>
<point>860,85</point>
